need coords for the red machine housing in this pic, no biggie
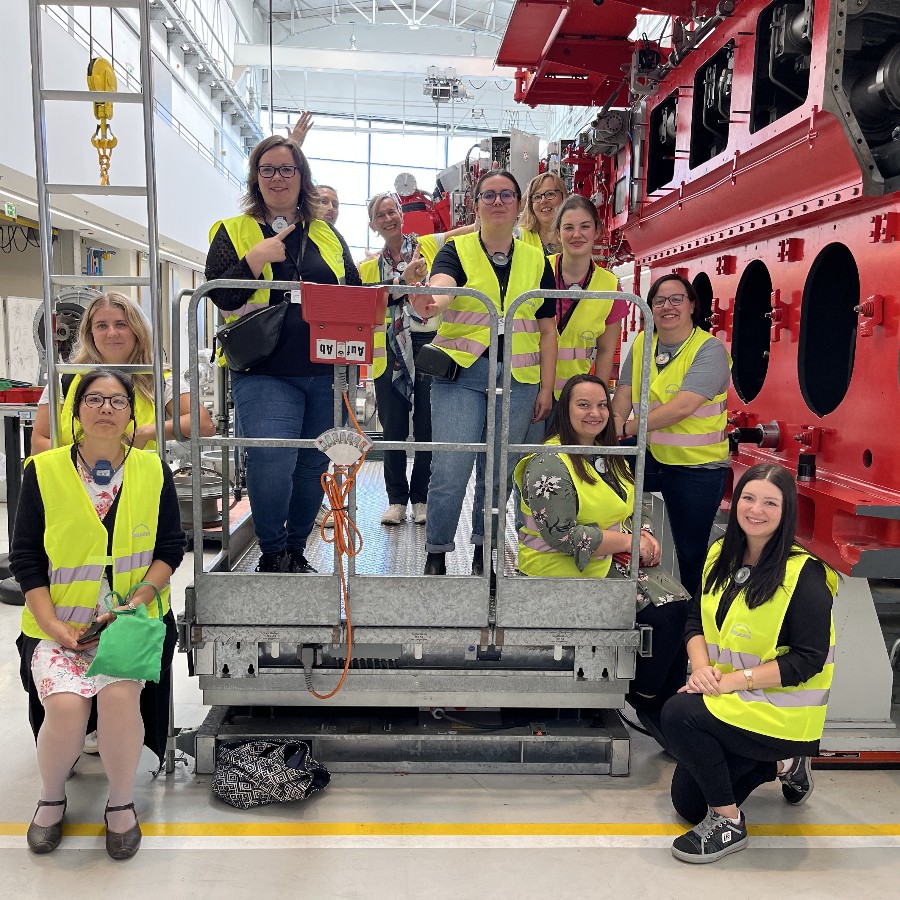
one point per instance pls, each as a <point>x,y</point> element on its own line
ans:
<point>763,163</point>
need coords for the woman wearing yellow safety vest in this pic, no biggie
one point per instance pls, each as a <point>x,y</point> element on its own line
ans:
<point>112,332</point>
<point>92,517</point>
<point>399,387</point>
<point>761,644</point>
<point>687,449</point>
<point>493,262</point>
<point>280,238</point>
<point>576,513</point>
<point>538,220</point>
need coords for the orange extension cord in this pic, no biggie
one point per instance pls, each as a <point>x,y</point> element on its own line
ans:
<point>345,534</point>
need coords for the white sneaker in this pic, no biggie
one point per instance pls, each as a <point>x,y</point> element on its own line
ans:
<point>395,514</point>
<point>420,511</point>
<point>320,518</point>
<point>90,743</point>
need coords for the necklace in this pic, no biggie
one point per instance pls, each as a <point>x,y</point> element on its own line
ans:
<point>102,471</point>
<point>498,257</point>
<point>742,574</point>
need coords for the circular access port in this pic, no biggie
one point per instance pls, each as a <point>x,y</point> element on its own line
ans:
<point>752,331</point>
<point>828,329</point>
<point>703,287</point>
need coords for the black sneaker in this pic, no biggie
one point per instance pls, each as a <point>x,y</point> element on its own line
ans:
<point>712,839</point>
<point>298,564</point>
<point>272,562</point>
<point>797,781</point>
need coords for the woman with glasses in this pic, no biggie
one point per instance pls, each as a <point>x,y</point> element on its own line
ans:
<point>492,261</point>
<point>537,222</point>
<point>279,237</point>
<point>399,387</point>
<point>687,449</point>
<point>114,331</point>
<point>94,500</point>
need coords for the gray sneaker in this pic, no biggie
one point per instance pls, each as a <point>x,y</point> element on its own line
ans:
<point>797,781</point>
<point>712,839</point>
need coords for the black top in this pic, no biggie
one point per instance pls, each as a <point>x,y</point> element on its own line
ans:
<point>447,263</point>
<point>806,628</point>
<point>29,561</point>
<point>291,356</point>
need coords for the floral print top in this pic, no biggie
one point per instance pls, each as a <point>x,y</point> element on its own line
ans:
<point>550,494</point>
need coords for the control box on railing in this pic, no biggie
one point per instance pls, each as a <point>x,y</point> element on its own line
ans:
<point>342,321</point>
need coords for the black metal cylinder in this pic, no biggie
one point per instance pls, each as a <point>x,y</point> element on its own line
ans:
<point>806,467</point>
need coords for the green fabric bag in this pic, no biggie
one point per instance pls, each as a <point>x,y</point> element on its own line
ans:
<point>132,645</point>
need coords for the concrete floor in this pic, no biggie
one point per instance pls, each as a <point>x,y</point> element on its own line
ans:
<point>418,836</point>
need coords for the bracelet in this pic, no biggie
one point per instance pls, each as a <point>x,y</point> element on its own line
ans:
<point>748,674</point>
<point>624,426</point>
<point>131,606</point>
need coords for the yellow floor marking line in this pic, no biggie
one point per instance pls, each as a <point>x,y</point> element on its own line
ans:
<point>458,829</point>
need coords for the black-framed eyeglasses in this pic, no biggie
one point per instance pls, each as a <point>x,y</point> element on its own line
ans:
<point>506,197</point>
<point>675,300</point>
<point>283,171</point>
<point>547,195</point>
<point>96,400</point>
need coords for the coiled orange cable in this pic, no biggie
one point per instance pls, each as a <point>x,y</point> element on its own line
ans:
<point>337,486</point>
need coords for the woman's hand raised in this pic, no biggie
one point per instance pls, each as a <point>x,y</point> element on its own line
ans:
<point>270,250</point>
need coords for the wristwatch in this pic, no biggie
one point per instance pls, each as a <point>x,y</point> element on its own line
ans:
<point>748,674</point>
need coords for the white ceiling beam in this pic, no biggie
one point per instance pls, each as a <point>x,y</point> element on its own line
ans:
<point>307,59</point>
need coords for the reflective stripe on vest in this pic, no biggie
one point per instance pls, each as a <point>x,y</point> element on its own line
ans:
<point>578,341</point>
<point>370,273</point>
<point>76,541</point>
<point>245,233</point>
<point>700,438</point>
<point>465,341</point>
<point>144,412</point>
<point>748,638</point>
<point>598,505</point>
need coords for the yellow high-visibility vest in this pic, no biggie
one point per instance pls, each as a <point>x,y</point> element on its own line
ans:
<point>598,504</point>
<point>465,331</point>
<point>749,638</point>
<point>700,438</point>
<point>578,340</point>
<point>76,541</point>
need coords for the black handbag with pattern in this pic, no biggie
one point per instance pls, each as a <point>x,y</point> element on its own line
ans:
<point>255,773</point>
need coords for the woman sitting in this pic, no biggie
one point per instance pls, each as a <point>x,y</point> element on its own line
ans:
<point>761,644</point>
<point>115,332</point>
<point>94,500</point>
<point>279,237</point>
<point>576,512</point>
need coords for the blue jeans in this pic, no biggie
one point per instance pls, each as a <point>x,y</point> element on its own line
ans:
<point>283,482</point>
<point>692,495</point>
<point>459,415</point>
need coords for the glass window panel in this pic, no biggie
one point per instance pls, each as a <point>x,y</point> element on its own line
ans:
<point>353,224</point>
<point>349,179</point>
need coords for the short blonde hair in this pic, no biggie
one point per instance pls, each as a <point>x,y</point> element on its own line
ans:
<point>527,219</point>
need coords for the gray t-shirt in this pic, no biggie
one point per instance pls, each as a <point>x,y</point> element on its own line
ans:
<point>709,374</point>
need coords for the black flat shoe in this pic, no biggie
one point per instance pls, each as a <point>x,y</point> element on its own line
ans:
<point>436,564</point>
<point>478,560</point>
<point>46,838</point>
<point>122,844</point>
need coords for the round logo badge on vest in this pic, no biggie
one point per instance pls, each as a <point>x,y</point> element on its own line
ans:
<point>279,224</point>
<point>664,358</point>
<point>400,267</point>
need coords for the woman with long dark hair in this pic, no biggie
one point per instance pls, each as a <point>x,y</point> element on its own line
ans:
<point>761,645</point>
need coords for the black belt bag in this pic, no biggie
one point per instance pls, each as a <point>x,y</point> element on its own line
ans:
<point>252,339</point>
<point>434,361</point>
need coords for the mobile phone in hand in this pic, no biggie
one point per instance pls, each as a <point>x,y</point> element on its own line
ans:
<point>92,632</point>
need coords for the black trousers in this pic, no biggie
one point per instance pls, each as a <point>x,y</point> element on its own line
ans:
<point>154,697</point>
<point>393,412</point>
<point>718,764</point>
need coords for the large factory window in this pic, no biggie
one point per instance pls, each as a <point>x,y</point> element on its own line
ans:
<point>712,106</point>
<point>783,53</point>
<point>703,287</point>
<point>751,339</point>
<point>661,155</point>
<point>828,329</point>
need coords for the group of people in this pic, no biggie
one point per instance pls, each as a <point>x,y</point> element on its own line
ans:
<point>738,682</point>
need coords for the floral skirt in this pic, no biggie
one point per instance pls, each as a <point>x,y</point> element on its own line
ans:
<point>58,670</point>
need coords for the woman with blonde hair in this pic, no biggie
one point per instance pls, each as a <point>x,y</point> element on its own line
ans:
<point>115,332</point>
<point>537,221</point>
